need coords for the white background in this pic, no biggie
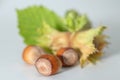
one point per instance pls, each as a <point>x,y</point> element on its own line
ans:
<point>100,12</point>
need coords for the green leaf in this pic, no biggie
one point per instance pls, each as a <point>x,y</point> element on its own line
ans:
<point>38,24</point>
<point>76,22</point>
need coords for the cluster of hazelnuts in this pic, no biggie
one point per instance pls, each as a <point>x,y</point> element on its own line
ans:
<point>49,64</point>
